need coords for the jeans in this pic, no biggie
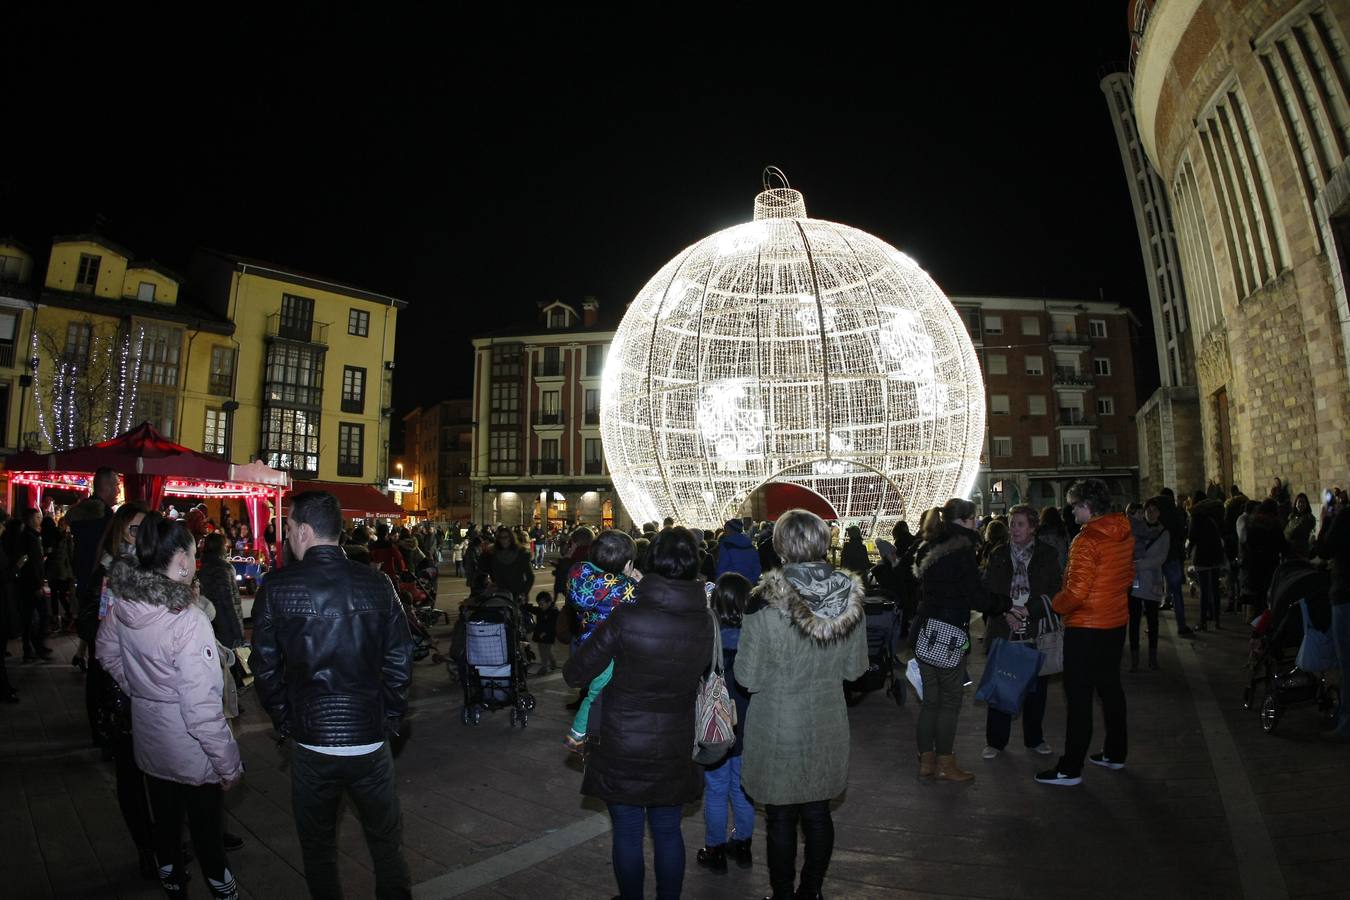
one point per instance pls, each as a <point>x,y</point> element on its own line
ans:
<point>170,800</point>
<point>720,785</point>
<point>1208,580</point>
<point>628,824</point>
<point>1092,665</point>
<point>539,554</point>
<point>780,826</point>
<point>1172,572</point>
<point>942,690</point>
<point>998,725</point>
<point>317,784</point>
<point>1340,635</point>
<point>1147,609</point>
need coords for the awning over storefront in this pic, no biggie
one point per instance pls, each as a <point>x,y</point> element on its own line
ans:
<point>358,501</point>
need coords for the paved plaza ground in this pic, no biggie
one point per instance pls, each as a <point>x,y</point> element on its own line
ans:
<point>1209,805</point>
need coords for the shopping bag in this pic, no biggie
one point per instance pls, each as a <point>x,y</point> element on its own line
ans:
<point>915,678</point>
<point>1050,641</point>
<point>1316,653</point>
<point>1009,675</point>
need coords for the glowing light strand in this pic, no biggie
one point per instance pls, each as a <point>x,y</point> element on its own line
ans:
<point>37,391</point>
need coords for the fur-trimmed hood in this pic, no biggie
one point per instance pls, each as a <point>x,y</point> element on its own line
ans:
<point>809,594</point>
<point>128,582</point>
<point>955,539</point>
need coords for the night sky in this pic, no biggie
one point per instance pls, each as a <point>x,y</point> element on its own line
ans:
<point>476,163</point>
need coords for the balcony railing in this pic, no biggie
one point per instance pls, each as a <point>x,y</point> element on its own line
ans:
<point>594,467</point>
<point>547,467</point>
<point>7,355</point>
<point>592,417</point>
<point>218,385</point>
<point>1075,338</point>
<point>305,331</point>
<point>1076,418</point>
<point>548,369</point>
<point>548,418</point>
<point>1079,460</point>
<point>1068,376</point>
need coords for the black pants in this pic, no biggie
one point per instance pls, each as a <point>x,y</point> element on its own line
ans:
<point>781,829</point>
<point>131,797</point>
<point>998,725</point>
<point>1092,666</point>
<point>34,615</point>
<point>317,783</point>
<point>202,805</point>
<point>1147,609</point>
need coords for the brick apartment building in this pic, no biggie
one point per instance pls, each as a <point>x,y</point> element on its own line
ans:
<point>1059,385</point>
<point>438,449</point>
<point>537,456</point>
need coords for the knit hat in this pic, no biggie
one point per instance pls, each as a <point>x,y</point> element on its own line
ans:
<point>735,525</point>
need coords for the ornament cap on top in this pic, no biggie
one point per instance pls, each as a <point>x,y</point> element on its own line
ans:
<point>778,202</point>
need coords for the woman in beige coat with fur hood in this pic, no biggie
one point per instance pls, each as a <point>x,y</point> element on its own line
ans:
<point>802,638</point>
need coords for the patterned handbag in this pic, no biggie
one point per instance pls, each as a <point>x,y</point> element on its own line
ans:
<point>714,713</point>
<point>941,644</point>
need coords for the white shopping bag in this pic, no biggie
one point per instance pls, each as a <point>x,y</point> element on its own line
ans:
<point>914,678</point>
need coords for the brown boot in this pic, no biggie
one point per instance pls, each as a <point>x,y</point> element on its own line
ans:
<point>927,764</point>
<point>947,770</point>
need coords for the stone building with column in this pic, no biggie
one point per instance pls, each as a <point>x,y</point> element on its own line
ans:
<point>1243,110</point>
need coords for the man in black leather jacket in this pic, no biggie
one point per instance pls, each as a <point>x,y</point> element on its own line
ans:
<point>332,659</point>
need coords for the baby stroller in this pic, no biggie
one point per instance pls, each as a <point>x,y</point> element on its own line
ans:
<point>882,622</point>
<point>419,596</point>
<point>489,660</point>
<point>1276,638</point>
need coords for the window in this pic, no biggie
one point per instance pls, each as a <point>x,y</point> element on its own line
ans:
<point>294,375</point>
<point>594,455</point>
<point>297,317</point>
<point>353,389</point>
<point>1040,445</point>
<point>1031,325</point>
<point>11,268</point>
<point>504,403</point>
<point>1073,450</point>
<point>78,337</point>
<point>9,336</point>
<point>557,317</point>
<point>506,361</point>
<point>1110,446</point>
<point>86,279</point>
<point>358,322</point>
<point>1106,406</point>
<point>550,408</point>
<point>1035,404</point>
<point>221,382</point>
<point>595,360</point>
<point>548,449</point>
<point>993,324</point>
<point>998,364</point>
<point>146,292</point>
<point>1001,446</point>
<point>159,408</point>
<point>290,440</point>
<point>160,346</point>
<point>1097,328</point>
<point>213,434</point>
<point>998,404</point>
<point>592,397</point>
<point>351,441</point>
<point>1101,365</point>
<point>1035,365</point>
<point>504,453</point>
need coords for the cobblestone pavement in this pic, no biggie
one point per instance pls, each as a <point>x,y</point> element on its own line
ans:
<point>1209,805</point>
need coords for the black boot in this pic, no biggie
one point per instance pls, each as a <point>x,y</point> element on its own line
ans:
<point>807,894</point>
<point>1153,659</point>
<point>1134,660</point>
<point>740,851</point>
<point>149,867</point>
<point>714,858</point>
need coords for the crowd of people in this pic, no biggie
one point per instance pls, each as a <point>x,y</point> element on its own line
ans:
<point>155,603</point>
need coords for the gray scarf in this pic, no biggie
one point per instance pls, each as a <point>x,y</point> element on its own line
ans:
<point>825,590</point>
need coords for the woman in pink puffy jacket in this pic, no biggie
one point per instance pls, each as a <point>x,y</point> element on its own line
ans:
<point>161,650</point>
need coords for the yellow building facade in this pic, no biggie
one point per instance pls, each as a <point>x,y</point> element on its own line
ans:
<point>244,360</point>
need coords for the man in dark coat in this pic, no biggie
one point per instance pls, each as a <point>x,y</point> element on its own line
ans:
<point>88,520</point>
<point>735,553</point>
<point>28,572</point>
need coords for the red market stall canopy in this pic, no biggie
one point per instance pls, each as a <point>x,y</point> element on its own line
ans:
<point>152,467</point>
<point>358,501</point>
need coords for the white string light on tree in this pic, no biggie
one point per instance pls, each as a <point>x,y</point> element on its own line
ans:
<point>797,350</point>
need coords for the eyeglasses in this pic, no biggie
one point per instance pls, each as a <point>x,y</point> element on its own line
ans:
<point>132,529</point>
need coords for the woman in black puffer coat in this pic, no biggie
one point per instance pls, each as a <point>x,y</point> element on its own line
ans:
<point>641,760</point>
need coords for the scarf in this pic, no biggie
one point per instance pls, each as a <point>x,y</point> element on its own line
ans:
<point>1021,558</point>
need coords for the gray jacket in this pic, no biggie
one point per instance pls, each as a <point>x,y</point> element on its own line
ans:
<point>1151,543</point>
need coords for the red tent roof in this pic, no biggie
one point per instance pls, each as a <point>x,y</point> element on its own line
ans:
<point>144,451</point>
<point>357,500</point>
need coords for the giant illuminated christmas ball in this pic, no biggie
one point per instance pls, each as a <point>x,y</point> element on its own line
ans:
<point>798,350</point>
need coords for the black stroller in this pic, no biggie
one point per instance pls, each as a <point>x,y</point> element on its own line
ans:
<point>882,622</point>
<point>489,661</point>
<point>1275,642</point>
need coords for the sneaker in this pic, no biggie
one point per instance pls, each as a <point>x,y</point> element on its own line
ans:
<point>231,841</point>
<point>1101,759</point>
<point>989,753</point>
<point>1185,631</point>
<point>1042,748</point>
<point>1056,777</point>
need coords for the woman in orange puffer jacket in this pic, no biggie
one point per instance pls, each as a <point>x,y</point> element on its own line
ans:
<point>1094,602</point>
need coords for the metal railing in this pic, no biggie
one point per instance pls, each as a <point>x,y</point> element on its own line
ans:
<point>1075,418</point>
<point>305,331</point>
<point>594,467</point>
<point>7,355</point>
<point>592,417</point>
<point>1076,338</point>
<point>1066,375</point>
<point>547,467</point>
<point>548,418</point>
<point>548,369</point>
<point>1079,460</point>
